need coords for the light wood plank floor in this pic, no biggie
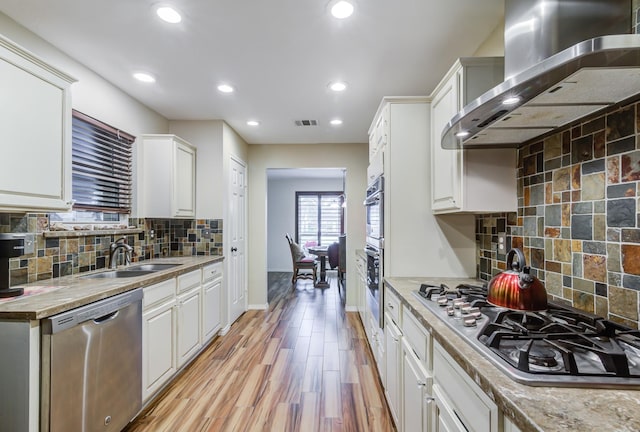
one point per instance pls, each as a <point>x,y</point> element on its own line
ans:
<point>303,365</point>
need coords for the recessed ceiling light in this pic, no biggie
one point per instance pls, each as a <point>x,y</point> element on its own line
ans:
<point>144,77</point>
<point>253,123</point>
<point>336,122</point>
<point>338,86</point>
<point>169,14</point>
<point>462,134</point>
<point>225,88</point>
<point>342,9</point>
<point>511,100</point>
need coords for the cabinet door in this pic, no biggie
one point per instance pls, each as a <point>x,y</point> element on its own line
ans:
<point>35,120</point>
<point>416,385</point>
<point>211,309</point>
<point>461,396</point>
<point>393,364</point>
<point>446,419</point>
<point>188,325</point>
<point>445,164</point>
<point>158,348</point>
<point>184,180</point>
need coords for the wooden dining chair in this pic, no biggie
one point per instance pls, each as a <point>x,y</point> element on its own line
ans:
<point>301,262</point>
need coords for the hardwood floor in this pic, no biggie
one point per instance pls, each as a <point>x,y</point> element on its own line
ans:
<point>303,365</point>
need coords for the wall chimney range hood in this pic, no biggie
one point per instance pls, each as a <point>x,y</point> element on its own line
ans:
<point>579,80</point>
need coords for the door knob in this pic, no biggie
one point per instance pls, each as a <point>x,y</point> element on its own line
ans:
<point>234,249</point>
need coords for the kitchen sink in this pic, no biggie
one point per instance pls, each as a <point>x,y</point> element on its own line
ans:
<point>118,274</point>
<point>150,267</point>
<point>133,271</point>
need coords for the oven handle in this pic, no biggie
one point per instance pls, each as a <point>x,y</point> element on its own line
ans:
<point>372,200</point>
<point>372,252</point>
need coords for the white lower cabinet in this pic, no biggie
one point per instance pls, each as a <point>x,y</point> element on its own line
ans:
<point>417,409</point>
<point>210,310</point>
<point>460,404</point>
<point>508,426</point>
<point>393,389</point>
<point>158,336</point>
<point>425,388</point>
<point>211,291</point>
<point>446,419</point>
<point>188,324</point>
<point>179,317</point>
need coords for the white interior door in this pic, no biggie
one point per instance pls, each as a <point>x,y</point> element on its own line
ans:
<point>236,228</point>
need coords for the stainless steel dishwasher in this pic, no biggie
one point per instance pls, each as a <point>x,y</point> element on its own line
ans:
<point>92,366</point>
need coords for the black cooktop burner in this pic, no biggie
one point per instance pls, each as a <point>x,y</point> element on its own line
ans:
<point>559,346</point>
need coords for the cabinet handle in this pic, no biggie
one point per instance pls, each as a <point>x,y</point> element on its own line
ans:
<point>429,399</point>
<point>395,339</point>
<point>421,384</point>
<point>390,305</point>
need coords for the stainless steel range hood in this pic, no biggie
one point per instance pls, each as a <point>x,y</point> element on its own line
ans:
<point>578,81</point>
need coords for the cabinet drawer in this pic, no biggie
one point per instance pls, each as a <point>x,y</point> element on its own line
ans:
<point>467,401</point>
<point>211,272</point>
<point>158,293</point>
<point>392,306</point>
<point>418,338</point>
<point>189,280</point>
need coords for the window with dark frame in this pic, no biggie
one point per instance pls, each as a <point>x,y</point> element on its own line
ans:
<point>101,166</point>
<point>319,217</point>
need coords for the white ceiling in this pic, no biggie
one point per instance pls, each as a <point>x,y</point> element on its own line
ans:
<point>306,173</point>
<point>279,54</point>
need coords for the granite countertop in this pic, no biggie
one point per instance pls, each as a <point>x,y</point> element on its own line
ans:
<point>52,296</point>
<point>530,408</point>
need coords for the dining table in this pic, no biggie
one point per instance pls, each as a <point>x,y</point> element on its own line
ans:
<point>321,252</point>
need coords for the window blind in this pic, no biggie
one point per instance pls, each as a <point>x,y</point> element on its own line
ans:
<point>101,166</point>
<point>319,217</point>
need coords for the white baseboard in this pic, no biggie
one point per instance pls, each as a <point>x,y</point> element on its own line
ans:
<point>258,306</point>
<point>351,308</point>
<point>224,330</point>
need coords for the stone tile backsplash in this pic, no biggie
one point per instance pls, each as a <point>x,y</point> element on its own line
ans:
<point>62,256</point>
<point>578,217</point>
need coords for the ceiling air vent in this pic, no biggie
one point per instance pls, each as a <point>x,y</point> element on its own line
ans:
<point>306,123</point>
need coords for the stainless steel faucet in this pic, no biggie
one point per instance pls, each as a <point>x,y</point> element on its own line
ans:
<point>113,248</point>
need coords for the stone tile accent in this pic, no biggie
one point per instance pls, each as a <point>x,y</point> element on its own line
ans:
<point>631,259</point>
<point>584,301</point>
<point>55,257</point>
<point>623,302</point>
<point>631,166</point>
<point>578,218</point>
<point>593,187</point>
<point>595,267</point>
<point>621,213</point>
<point>582,227</point>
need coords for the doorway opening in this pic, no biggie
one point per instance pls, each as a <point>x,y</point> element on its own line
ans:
<point>306,203</point>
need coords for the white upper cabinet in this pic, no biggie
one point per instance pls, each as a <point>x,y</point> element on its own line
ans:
<point>167,177</point>
<point>35,120</point>
<point>472,181</point>
<point>379,133</point>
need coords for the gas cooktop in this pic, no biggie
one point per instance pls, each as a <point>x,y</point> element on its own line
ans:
<point>560,346</point>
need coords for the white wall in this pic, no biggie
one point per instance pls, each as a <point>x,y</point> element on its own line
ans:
<point>493,46</point>
<point>281,209</point>
<point>92,94</point>
<point>353,157</point>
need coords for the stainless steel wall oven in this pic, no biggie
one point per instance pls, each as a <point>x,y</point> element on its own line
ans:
<point>374,204</point>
